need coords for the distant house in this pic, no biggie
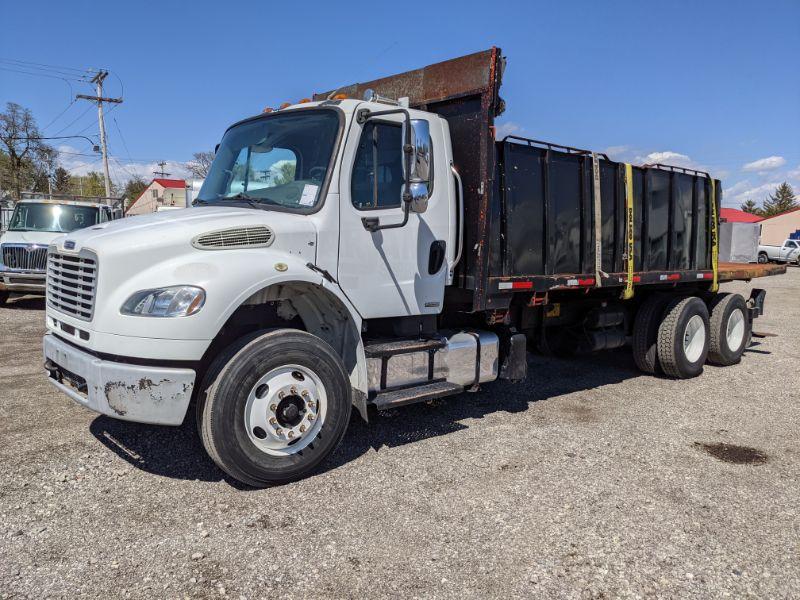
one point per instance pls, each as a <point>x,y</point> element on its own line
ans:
<point>733,215</point>
<point>774,230</point>
<point>161,194</point>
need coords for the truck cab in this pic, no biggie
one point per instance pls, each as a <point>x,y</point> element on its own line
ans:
<point>34,224</point>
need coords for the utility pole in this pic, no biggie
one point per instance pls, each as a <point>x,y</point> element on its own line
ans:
<point>98,81</point>
<point>161,173</point>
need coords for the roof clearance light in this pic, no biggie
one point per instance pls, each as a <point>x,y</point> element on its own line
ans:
<point>304,100</point>
<point>284,105</point>
<point>267,109</point>
<point>340,97</point>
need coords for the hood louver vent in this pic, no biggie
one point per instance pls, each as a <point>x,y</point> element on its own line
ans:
<point>235,237</point>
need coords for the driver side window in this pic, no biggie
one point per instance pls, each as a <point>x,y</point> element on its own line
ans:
<point>378,170</point>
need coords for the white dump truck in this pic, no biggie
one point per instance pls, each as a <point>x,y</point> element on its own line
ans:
<point>34,224</point>
<point>377,247</point>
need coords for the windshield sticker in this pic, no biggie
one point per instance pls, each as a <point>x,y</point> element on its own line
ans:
<point>309,195</point>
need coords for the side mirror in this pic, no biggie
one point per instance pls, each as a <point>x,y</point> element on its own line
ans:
<point>420,176</point>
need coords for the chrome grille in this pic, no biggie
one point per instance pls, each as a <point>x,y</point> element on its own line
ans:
<point>72,283</point>
<point>25,257</point>
<point>236,237</point>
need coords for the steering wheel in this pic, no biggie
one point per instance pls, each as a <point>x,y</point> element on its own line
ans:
<point>317,173</point>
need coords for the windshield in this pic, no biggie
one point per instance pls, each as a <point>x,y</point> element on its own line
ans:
<point>56,218</point>
<point>278,161</point>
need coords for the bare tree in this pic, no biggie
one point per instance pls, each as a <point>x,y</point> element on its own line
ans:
<point>30,160</point>
<point>201,164</point>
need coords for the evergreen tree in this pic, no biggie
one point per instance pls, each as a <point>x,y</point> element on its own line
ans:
<point>782,200</point>
<point>751,207</point>
<point>61,181</point>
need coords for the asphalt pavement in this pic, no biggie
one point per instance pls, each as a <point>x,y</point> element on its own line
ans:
<point>590,480</point>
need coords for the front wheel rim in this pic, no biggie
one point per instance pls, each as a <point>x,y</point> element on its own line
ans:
<point>694,338</point>
<point>285,410</point>
<point>734,332</point>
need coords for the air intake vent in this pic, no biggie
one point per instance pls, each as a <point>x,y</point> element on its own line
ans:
<point>236,237</point>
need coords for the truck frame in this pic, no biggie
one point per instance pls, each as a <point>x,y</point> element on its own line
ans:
<point>380,252</point>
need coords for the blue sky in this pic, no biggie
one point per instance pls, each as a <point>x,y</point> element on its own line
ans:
<point>714,84</point>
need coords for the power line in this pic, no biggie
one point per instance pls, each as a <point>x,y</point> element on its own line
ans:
<point>45,67</point>
<point>59,115</point>
<point>75,120</point>
<point>122,137</point>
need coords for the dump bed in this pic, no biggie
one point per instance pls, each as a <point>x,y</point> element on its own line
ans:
<point>541,216</point>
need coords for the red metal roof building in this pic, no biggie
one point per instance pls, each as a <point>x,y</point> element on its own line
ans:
<point>734,215</point>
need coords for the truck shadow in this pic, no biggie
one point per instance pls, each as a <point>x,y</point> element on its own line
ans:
<point>26,303</point>
<point>177,452</point>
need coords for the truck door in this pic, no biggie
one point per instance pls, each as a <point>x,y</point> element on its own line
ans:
<point>400,271</point>
<point>788,249</point>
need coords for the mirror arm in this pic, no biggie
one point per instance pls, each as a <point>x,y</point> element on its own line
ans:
<point>373,224</point>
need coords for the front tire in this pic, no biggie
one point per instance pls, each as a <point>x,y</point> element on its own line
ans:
<point>277,408</point>
<point>730,329</point>
<point>683,338</point>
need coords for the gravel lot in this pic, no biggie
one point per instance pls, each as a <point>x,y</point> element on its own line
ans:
<point>588,481</point>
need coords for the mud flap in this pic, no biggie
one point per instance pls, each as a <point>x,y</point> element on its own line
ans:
<point>515,363</point>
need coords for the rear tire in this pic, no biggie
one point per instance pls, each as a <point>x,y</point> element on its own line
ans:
<point>645,333</point>
<point>683,338</point>
<point>763,258</point>
<point>730,329</point>
<point>3,297</point>
<point>245,427</point>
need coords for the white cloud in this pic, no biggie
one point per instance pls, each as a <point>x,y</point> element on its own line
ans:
<point>746,190</point>
<point>121,171</point>
<point>669,157</point>
<point>616,152</point>
<point>507,128</point>
<point>770,163</point>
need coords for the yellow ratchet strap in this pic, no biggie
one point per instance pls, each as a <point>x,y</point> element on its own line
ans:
<point>714,237</point>
<point>627,293</point>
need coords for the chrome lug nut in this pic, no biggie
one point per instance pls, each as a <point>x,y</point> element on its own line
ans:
<point>290,435</point>
<point>273,407</point>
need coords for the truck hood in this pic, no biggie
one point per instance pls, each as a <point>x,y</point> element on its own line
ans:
<point>175,229</point>
<point>29,237</point>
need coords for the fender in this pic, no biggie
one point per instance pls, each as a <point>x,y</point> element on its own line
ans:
<point>291,270</point>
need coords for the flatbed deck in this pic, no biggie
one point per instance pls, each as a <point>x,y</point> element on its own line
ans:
<point>748,271</point>
<point>567,281</point>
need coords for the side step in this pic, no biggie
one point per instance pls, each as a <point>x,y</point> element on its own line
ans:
<point>420,393</point>
<point>381,349</point>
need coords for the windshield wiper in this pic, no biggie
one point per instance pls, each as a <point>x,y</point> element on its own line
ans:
<point>251,200</point>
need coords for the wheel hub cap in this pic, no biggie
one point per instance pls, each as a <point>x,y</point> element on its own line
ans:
<point>735,330</point>
<point>694,338</point>
<point>285,410</point>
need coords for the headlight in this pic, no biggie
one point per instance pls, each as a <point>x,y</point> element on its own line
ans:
<point>175,301</point>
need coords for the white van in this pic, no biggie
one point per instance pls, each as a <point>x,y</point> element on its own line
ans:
<point>33,226</point>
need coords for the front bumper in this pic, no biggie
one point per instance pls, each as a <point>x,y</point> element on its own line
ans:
<point>138,393</point>
<point>22,281</point>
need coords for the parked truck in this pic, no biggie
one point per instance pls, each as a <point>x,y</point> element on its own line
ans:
<point>375,247</point>
<point>33,225</point>
<point>788,252</point>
